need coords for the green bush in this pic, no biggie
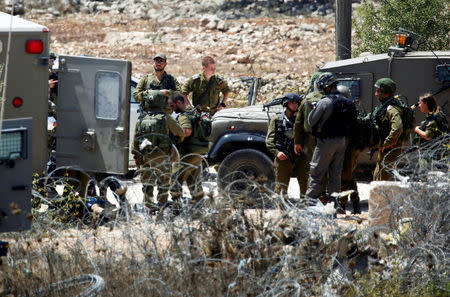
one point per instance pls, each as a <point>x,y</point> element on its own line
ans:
<point>377,21</point>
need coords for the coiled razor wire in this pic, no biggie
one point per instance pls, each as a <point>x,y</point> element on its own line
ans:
<point>248,242</point>
<point>94,285</point>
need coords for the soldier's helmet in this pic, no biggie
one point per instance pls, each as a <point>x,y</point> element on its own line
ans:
<point>325,80</point>
<point>52,55</point>
<point>386,85</point>
<point>344,90</point>
<point>313,79</point>
<point>291,97</point>
<point>155,99</point>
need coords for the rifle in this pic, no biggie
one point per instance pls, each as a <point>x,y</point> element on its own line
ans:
<point>287,147</point>
<point>277,101</point>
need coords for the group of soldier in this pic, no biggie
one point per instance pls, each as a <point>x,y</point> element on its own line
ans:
<point>315,138</point>
<point>168,118</point>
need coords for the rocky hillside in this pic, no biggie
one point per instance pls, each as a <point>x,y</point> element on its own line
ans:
<point>282,42</point>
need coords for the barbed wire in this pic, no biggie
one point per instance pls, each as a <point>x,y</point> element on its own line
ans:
<point>244,239</point>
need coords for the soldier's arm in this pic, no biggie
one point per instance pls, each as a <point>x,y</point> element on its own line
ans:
<point>140,91</point>
<point>225,89</point>
<point>185,123</point>
<point>396,127</point>
<point>177,85</point>
<point>175,128</point>
<point>270,138</point>
<point>186,89</point>
<point>316,114</point>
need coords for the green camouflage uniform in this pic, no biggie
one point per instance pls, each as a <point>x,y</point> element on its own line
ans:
<point>151,82</point>
<point>434,125</point>
<point>206,93</point>
<point>156,164</point>
<point>284,169</point>
<point>391,128</point>
<point>303,136</point>
<point>189,167</point>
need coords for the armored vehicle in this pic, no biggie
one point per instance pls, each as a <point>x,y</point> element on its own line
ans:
<point>24,50</point>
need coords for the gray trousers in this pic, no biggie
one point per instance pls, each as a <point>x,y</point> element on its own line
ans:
<point>328,158</point>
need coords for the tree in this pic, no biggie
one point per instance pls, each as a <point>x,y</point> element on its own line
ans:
<point>377,21</point>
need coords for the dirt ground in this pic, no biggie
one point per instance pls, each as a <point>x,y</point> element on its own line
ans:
<point>293,46</point>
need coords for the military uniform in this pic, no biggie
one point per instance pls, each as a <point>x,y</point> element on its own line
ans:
<point>151,82</point>
<point>434,125</point>
<point>206,93</point>
<point>280,138</point>
<point>189,167</point>
<point>156,159</point>
<point>303,136</point>
<point>389,120</point>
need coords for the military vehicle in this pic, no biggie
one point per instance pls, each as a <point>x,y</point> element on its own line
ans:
<point>238,134</point>
<point>24,48</point>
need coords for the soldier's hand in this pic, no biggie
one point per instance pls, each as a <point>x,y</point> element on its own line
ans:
<point>282,156</point>
<point>298,149</point>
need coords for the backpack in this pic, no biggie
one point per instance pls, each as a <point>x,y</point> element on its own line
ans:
<point>198,142</point>
<point>408,118</point>
<point>201,127</point>
<point>341,119</point>
<point>153,132</point>
<point>364,133</point>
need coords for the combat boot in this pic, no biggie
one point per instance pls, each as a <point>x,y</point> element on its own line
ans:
<point>356,207</point>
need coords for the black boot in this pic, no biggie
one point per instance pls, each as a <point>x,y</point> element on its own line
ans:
<point>356,207</point>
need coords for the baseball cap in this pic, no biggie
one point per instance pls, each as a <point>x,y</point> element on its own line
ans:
<point>161,56</point>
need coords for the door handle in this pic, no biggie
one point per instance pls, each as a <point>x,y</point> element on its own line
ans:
<point>88,140</point>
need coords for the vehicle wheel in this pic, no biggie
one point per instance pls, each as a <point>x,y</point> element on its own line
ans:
<point>246,173</point>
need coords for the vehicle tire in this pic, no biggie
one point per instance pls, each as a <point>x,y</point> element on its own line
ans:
<point>247,173</point>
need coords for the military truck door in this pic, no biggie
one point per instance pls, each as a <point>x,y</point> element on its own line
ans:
<point>16,164</point>
<point>93,113</point>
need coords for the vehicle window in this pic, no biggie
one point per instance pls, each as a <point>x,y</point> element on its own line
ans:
<point>12,145</point>
<point>107,95</point>
<point>132,88</point>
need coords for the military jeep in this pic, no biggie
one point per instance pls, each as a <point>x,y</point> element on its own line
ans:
<point>238,134</point>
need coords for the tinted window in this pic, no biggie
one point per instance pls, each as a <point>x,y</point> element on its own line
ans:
<point>107,95</point>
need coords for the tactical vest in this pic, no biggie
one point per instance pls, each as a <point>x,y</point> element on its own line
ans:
<point>169,83</point>
<point>406,113</point>
<point>441,126</point>
<point>340,120</point>
<point>153,133</point>
<point>284,133</point>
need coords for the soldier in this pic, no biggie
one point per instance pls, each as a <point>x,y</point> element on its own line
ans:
<point>52,85</point>
<point>153,148</point>
<point>435,123</point>
<point>160,80</point>
<point>206,88</point>
<point>388,117</point>
<point>348,181</point>
<point>330,121</point>
<point>189,168</point>
<point>280,141</point>
<point>304,141</point>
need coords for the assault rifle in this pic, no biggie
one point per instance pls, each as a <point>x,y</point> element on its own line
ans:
<point>277,101</point>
